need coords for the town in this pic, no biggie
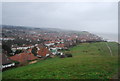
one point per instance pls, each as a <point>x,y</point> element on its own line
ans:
<point>27,45</point>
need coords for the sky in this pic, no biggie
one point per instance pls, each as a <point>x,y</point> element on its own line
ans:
<point>100,17</point>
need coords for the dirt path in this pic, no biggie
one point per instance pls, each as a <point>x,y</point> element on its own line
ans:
<point>33,62</point>
<point>109,49</point>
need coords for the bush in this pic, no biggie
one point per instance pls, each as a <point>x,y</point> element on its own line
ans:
<point>18,51</point>
<point>34,51</point>
<point>68,55</point>
<point>23,63</point>
<point>16,62</point>
<point>62,56</point>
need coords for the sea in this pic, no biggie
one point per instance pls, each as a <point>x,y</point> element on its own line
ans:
<point>109,37</point>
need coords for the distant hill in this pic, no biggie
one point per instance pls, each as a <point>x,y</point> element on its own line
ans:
<point>11,31</point>
<point>42,29</point>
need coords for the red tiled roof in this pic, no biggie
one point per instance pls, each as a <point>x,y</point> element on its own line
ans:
<point>22,57</point>
<point>47,42</point>
<point>43,51</point>
<point>30,49</point>
<point>60,45</point>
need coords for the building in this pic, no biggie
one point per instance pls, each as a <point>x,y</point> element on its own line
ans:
<point>6,62</point>
<point>43,51</point>
<point>23,57</point>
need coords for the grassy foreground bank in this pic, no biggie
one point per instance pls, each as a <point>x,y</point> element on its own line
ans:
<point>89,61</point>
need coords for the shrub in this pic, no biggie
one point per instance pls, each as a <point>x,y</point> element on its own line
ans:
<point>16,62</point>
<point>62,56</point>
<point>68,55</point>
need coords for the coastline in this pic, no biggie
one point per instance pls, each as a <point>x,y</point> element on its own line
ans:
<point>109,37</point>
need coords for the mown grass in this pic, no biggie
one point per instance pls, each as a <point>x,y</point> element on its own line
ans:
<point>89,61</point>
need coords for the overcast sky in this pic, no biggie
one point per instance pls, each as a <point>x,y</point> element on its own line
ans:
<point>83,16</point>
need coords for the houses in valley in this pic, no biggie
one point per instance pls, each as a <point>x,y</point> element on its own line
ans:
<point>28,44</point>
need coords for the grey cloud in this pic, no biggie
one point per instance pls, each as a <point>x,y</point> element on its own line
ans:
<point>89,16</point>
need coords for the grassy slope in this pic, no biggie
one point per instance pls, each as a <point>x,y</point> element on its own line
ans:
<point>89,61</point>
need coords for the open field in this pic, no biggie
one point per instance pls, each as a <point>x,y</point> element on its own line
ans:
<point>89,61</point>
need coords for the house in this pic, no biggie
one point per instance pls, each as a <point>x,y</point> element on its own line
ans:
<point>6,62</point>
<point>43,51</point>
<point>83,40</point>
<point>53,50</point>
<point>49,43</point>
<point>23,57</point>
<point>67,44</point>
<point>25,47</point>
<point>60,46</point>
<point>22,47</point>
<point>5,39</point>
<point>29,50</point>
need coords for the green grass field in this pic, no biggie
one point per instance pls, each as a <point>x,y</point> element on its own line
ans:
<point>89,61</point>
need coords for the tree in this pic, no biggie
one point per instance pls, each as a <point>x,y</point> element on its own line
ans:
<point>6,48</point>
<point>18,51</point>
<point>34,51</point>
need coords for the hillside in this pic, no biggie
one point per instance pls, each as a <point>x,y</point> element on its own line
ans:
<point>89,61</point>
<point>11,30</point>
